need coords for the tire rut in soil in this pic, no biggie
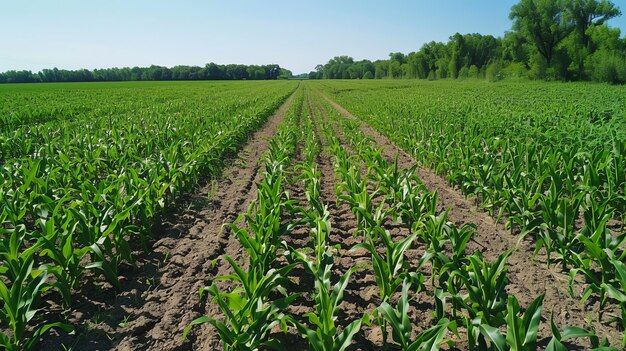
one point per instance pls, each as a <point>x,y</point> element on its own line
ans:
<point>528,276</point>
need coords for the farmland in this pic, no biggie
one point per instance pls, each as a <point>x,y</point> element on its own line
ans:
<point>322,215</point>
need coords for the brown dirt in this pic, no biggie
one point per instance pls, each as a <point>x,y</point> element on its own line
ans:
<point>528,276</point>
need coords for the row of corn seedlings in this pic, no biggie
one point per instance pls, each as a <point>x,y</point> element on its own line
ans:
<point>257,299</point>
<point>320,327</point>
<point>75,192</point>
<point>468,289</point>
<point>556,174</point>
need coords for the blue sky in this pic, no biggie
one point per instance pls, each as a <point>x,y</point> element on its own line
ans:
<point>71,34</point>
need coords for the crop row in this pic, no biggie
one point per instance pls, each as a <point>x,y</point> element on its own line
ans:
<point>468,289</point>
<point>77,189</point>
<point>556,173</point>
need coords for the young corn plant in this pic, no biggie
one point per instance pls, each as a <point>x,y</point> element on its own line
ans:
<point>559,236</point>
<point>522,211</point>
<point>415,204</point>
<point>311,177</point>
<point>599,246</point>
<point>21,297</point>
<point>265,220</point>
<point>569,332</point>
<point>390,268</point>
<point>601,250</point>
<point>320,226</point>
<point>521,331</point>
<point>353,191</point>
<point>321,330</point>
<point>443,266</point>
<point>401,326</point>
<point>617,290</point>
<point>250,311</point>
<point>486,299</point>
<point>433,234</point>
<point>390,178</point>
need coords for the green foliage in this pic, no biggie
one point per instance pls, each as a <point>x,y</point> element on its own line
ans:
<point>493,73</point>
<point>550,40</point>
<point>559,336</point>
<point>553,170</point>
<point>606,66</point>
<point>210,71</point>
<point>82,177</point>
<point>398,319</point>
<point>321,332</point>
<point>250,313</point>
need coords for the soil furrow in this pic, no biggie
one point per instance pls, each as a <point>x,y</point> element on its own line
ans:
<point>197,249</point>
<point>361,287</point>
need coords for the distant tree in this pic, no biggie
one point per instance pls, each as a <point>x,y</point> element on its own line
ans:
<point>285,74</point>
<point>354,72</point>
<point>515,48</point>
<point>256,72</point>
<point>586,14</point>
<point>135,73</point>
<point>543,22</point>
<point>272,71</point>
<point>181,72</point>
<point>418,65</point>
<point>398,57</point>
<point>380,69</point>
<point>395,69</point>
<point>20,77</point>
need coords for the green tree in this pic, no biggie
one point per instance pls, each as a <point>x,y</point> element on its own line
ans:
<point>585,14</point>
<point>543,22</point>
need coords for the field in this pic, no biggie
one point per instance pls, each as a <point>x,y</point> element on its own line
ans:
<point>321,215</point>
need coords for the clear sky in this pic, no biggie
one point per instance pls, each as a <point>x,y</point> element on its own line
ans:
<point>295,34</point>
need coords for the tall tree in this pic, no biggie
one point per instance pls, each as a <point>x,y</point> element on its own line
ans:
<point>542,22</point>
<point>587,13</point>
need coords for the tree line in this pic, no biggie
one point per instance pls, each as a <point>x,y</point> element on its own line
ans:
<point>550,39</point>
<point>210,71</point>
